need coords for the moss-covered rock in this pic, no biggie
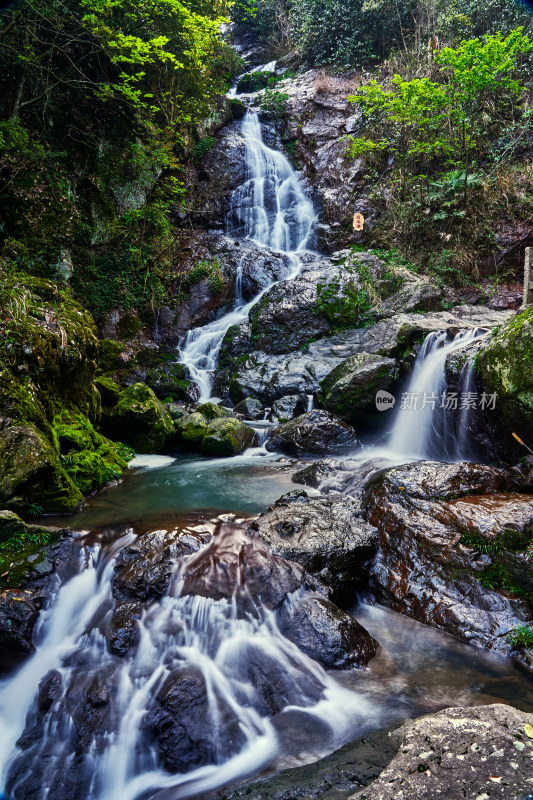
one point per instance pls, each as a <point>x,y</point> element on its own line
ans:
<point>30,471</point>
<point>192,428</point>
<point>506,367</point>
<point>23,549</point>
<point>140,419</point>
<point>349,391</point>
<point>50,451</point>
<point>212,411</point>
<point>170,380</point>
<point>109,390</point>
<point>227,436</point>
<point>88,458</point>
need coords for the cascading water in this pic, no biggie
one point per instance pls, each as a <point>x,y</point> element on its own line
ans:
<point>202,667</point>
<point>427,425</point>
<point>271,209</point>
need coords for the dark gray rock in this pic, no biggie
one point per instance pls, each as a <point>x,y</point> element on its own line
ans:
<point>288,407</point>
<point>250,408</point>
<point>315,433</point>
<point>326,535</point>
<point>349,391</point>
<point>323,632</point>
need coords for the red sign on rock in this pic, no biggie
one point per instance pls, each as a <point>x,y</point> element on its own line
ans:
<point>358,222</point>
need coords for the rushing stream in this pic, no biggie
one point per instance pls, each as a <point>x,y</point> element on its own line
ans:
<point>79,720</point>
<point>271,209</point>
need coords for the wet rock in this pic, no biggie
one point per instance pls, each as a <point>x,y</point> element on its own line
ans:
<point>50,690</point>
<point>109,390</point>
<point>458,752</point>
<point>192,428</point>
<point>242,566</point>
<point>326,535</point>
<point>453,549</point>
<point>143,569</point>
<point>250,408</point>
<point>172,380</point>
<point>140,419</point>
<point>227,437</point>
<point>505,368</point>
<point>289,406</point>
<point>245,371</point>
<point>18,614</point>
<point>316,433</point>
<point>123,632</point>
<point>349,391</point>
<point>326,634</point>
<point>181,723</point>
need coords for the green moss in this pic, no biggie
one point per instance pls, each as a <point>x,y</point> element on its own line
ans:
<point>192,428</point>
<point>212,411</point>
<point>140,419</point>
<point>209,270</point>
<point>88,458</point>
<point>506,367</point>
<point>109,390</point>
<point>227,437</point>
<point>109,356</point>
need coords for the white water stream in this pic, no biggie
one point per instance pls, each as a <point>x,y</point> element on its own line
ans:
<point>271,209</point>
<point>427,426</point>
<point>233,648</point>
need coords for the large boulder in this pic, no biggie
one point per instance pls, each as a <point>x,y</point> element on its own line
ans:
<point>227,437</point>
<point>245,370</point>
<point>349,391</point>
<point>140,419</point>
<point>480,752</point>
<point>30,471</point>
<point>453,549</point>
<point>505,366</point>
<point>324,633</point>
<point>314,433</point>
<point>326,535</point>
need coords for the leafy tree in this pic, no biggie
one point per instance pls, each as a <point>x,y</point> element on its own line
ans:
<point>453,119</point>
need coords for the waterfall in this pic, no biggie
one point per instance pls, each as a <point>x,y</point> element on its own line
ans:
<point>271,209</point>
<point>427,424</point>
<point>233,648</point>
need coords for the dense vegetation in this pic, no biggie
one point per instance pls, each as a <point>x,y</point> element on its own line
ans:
<point>98,105</point>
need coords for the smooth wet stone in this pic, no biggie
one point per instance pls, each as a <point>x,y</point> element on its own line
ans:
<point>349,391</point>
<point>326,634</point>
<point>227,437</point>
<point>250,408</point>
<point>315,433</point>
<point>289,406</point>
<point>453,544</point>
<point>326,535</point>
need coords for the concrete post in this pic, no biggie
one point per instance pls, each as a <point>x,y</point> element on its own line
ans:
<point>528,279</point>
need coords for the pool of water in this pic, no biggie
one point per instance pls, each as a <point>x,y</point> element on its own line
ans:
<point>157,488</point>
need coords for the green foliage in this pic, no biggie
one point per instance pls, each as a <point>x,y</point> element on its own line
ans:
<point>205,269</point>
<point>201,148</point>
<point>521,637</point>
<point>274,101</point>
<point>98,106</point>
<point>448,120</point>
<point>347,304</point>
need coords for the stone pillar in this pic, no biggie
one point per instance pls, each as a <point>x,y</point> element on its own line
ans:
<point>528,279</point>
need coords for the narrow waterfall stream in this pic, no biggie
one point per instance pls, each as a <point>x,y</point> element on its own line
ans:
<point>426,425</point>
<point>270,209</point>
